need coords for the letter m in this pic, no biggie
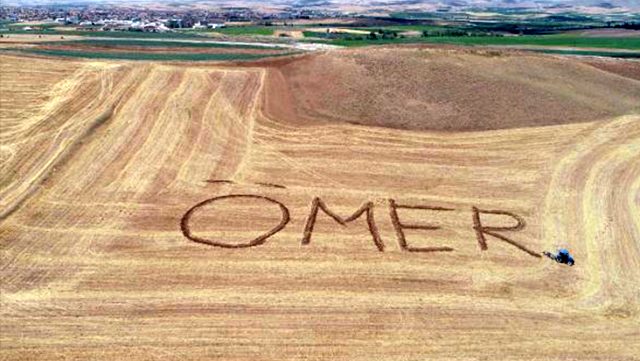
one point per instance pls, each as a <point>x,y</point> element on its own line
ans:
<point>367,208</point>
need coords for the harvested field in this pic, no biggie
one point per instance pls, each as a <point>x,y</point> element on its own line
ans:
<point>198,56</point>
<point>13,41</point>
<point>35,38</point>
<point>136,198</point>
<point>145,49</point>
<point>447,89</point>
<point>609,32</point>
<point>295,34</point>
<point>165,50</point>
<point>627,69</point>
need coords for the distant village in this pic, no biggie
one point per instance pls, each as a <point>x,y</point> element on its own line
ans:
<point>147,20</point>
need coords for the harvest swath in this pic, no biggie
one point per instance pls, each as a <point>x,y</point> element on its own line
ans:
<point>101,161</point>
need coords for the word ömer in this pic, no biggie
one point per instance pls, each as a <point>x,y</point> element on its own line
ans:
<point>318,204</point>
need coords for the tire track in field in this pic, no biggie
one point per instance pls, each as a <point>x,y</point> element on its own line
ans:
<point>590,197</point>
<point>237,151</point>
<point>74,128</point>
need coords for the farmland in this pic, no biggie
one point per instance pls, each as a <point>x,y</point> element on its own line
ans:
<point>631,43</point>
<point>245,30</point>
<point>154,210</point>
<point>144,49</point>
<point>161,43</point>
<point>174,56</point>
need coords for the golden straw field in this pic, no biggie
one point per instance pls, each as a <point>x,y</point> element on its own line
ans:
<point>110,249</point>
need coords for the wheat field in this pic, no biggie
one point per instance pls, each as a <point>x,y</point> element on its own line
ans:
<point>135,197</point>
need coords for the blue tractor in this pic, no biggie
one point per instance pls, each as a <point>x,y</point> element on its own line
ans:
<point>563,256</point>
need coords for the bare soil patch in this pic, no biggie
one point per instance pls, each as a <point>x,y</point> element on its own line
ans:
<point>625,68</point>
<point>609,32</point>
<point>445,88</point>
<point>295,34</point>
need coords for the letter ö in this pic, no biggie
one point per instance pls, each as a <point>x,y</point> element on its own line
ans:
<point>186,231</point>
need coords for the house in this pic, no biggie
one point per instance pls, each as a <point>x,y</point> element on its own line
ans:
<point>199,25</point>
<point>155,27</point>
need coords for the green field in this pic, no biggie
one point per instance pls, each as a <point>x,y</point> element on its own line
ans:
<point>148,56</point>
<point>159,43</point>
<point>630,43</point>
<point>245,30</point>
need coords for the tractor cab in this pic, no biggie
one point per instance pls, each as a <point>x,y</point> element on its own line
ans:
<point>563,256</point>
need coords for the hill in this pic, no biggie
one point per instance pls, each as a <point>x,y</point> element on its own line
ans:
<point>447,89</point>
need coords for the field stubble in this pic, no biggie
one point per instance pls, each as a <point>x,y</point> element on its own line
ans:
<point>101,162</point>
